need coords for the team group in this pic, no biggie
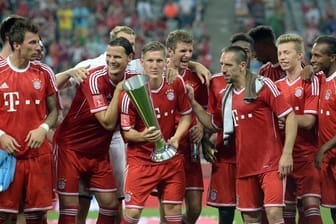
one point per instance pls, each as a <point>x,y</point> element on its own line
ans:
<point>269,136</point>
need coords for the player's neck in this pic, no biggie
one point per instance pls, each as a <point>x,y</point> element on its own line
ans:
<point>239,83</point>
<point>155,83</point>
<point>5,52</point>
<point>331,71</point>
<point>294,73</point>
<point>18,61</point>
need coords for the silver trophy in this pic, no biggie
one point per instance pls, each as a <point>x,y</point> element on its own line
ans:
<point>137,89</point>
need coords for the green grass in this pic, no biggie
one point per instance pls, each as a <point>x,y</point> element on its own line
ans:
<point>206,211</point>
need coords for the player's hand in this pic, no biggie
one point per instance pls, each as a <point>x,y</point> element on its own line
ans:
<point>209,150</point>
<point>151,134</point>
<point>173,141</point>
<point>9,144</point>
<point>285,165</point>
<point>196,133</point>
<point>307,73</point>
<point>202,73</point>
<point>36,137</point>
<point>79,74</point>
<point>190,92</point>
<point>119,86</point>
<point>319,157</point>
<point>171,74</point>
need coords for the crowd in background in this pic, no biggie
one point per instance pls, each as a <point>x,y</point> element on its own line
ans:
<point>316,18</point>
<point>79,29</point>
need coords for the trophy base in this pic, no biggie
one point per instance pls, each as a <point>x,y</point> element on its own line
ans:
<point>163,154</point>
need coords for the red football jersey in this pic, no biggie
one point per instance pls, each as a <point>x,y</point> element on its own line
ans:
<point>168,100</point>
<point>216,92</point>
<point>23,104</point>
<point>258,141</point>
<point>201,96</point>
<point>303,97</point>
<point>273,72</point>
<point>327,112</point>
<point>80,129</point>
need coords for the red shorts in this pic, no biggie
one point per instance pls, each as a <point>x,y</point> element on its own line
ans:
<point>302,182</point>
<point>193,171</point>
<point>263,190</point>
<point>328,184</point>
<point>222,186</point>
<point>167,177</point>
<point>96,172</point>
<point>32,185</point>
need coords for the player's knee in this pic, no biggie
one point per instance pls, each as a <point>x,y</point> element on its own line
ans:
<point>274,214</point>
<point>132,213</point>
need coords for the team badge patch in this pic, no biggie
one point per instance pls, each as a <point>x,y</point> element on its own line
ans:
<point>128,197</point>
<point>170,95</point>
<point>298,92</point>
<point>61,184</point>
<point>327,95</point>
<point>98,100</point>
<point>37,84</point>
<point>213,195</point>
<point>125,120</point>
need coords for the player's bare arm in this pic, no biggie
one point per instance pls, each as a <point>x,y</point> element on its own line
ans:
<point>323,151</point>
<point>202,72</point>
<point>201,114</point>
<point>36,136</point>
<point>109,117</point>
<point>196,132</point>
<point>77,74</point>
<point>182,127</point>
<point>307,73</point>
<point>150,134</point>
<point>208,147</point>
<point>306,121</point>
<point>286,160</point>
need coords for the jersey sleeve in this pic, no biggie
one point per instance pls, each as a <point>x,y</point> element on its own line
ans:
<point>127,112</point>
<point>183,103</point>
<point>91,88</point>
<point>312,96</point>
<point>275,99</point>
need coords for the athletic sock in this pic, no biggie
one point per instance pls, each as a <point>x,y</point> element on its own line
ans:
<point>68,214</point>
<point>106,215</point>
<point>173,219</point>
<point>312,214</point>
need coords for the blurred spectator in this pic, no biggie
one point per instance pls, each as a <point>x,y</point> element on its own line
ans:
<point>257,10</point>
<point>312,13</point>
<point>186,12</point>
<point>276,19</point>
<point>81,13</point>
<point>310,33</point>
<point>144,9</point>
<point>65,20</point>
<point>171,12</point>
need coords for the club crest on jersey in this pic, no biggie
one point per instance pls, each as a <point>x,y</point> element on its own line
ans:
<point>298,92</point>
<point>213,195</point>
<point>327,95</point>
<point>128,197</point>
<point>170,94</point>
<point>37,84</point>
<point>61,184</point>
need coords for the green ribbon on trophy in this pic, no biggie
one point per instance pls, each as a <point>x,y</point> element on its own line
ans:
<point>137,89</point>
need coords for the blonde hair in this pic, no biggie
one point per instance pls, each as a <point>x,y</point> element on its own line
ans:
<point>119,29</point>
<point>291,37</point>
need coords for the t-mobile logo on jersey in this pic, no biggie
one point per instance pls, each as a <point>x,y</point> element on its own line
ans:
<point>11,99</point>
